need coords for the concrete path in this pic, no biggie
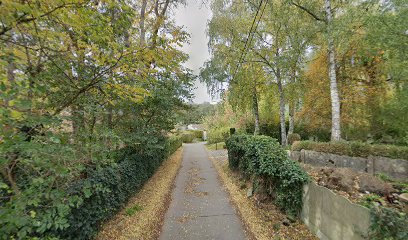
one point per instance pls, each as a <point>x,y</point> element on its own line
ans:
<point>200,208</point>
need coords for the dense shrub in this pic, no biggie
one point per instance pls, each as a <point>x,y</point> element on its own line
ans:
<point>387,223</point>
<point>293,137</point>
<point>236,152</point>
<point>218,135</point>
<point>173,143</point>
<point>263,158</point>
<point>106,190</point>
<point>187,137</point>
<point>355,149</point>
<point>267,129</point>
<point>317,134</point>
<point>197,133</point>
<point>273,130</point>
<point>77,211</point>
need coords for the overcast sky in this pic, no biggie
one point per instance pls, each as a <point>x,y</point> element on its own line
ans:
<point>194,18</point>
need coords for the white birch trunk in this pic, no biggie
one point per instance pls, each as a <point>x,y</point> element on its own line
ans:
<point>334,93</point>
<point>291,117</point>
<point>281,108</point>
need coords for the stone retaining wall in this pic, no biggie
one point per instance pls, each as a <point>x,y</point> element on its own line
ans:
<point>395,168</point>
<point>333,217</point>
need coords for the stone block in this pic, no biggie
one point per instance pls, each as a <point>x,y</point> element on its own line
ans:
<point>331,216</point>
<point>295,156</point>
<point>395,168</point>
<point>332,160</point>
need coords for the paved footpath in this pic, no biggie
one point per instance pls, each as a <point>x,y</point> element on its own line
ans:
<point>200,207</point>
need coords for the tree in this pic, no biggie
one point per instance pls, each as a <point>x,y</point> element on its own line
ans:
<point>76,84</point>
<point>334,93</point>
<point>226,67</point>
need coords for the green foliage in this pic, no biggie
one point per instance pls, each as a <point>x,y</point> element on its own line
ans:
<point>272,129</point>
<point>187,137</point>
<point>354,149</point>
<point>384,177</point>
<point>190,135</point>
<point>217,135</point>
<point>134,209</point>
<point>197,134</point>
<point>388,224</point>
<point>76,209</point>
<point>267,129</point>
<point>370,200</point>
<point>76,85</point>
<point>264,158</point>
<point>195,113</point>
<point>369,38</point>
<point>174,143</point>
<point>106,190</point>
<point>293,137</point>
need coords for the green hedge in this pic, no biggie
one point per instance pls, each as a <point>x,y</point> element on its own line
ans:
<point>106,190</point>
<point>173,143</point>
<point>190,135</point>
<point>354,149</point>
<point>187,137</point>
<point>91,200</point>
<point>263,158</point>
<point>197,133</point>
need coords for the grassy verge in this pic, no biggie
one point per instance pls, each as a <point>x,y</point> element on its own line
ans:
<point>263,220</point>
<point>216,146</point>
<point>143,216</point>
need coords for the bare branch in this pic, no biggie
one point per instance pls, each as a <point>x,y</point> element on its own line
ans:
<point>309,12</point>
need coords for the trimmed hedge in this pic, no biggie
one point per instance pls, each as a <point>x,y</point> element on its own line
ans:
<point>197,133</point>
<point>354,149</point>
<point>173,143</point>
<point>263,158</point>
<point>106,190</point>
<point>187,137</point>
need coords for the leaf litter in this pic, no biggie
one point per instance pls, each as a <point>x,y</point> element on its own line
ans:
<point>143,216</point>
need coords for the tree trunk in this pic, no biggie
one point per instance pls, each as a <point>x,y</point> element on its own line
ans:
<point>281,108</point>
<point>160,15</point>
<point>292,103</point>
<point>292,106</point>
<point>334,93</point>
<point>142,23</point>
<point>256,111</point>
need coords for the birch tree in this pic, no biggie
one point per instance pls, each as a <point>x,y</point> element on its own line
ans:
<point>334,92</point>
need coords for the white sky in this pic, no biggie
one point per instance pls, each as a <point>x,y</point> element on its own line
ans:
<point>194,17</point>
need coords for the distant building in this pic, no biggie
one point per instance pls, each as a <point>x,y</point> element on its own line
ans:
<point>195,127</point>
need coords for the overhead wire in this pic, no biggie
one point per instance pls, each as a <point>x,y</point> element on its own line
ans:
<point>250,35</point>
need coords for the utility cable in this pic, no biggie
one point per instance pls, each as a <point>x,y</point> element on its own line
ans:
<point>250,35</point>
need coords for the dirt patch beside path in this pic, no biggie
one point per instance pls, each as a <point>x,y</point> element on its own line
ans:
<point>143,216</point>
